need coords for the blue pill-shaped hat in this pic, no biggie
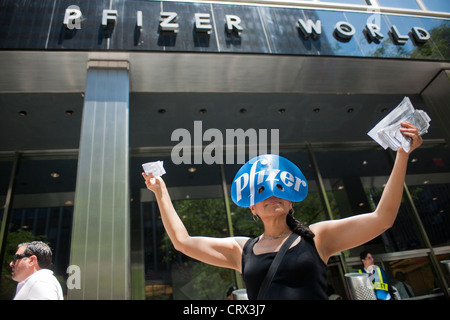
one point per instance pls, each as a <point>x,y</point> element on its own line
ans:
<point>265,176</point>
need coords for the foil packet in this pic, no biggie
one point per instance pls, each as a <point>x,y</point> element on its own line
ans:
<point>387,132</point>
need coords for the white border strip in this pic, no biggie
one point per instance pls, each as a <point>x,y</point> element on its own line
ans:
<point>326,6</point>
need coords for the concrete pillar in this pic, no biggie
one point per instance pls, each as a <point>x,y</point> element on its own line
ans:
<point>100,236</point>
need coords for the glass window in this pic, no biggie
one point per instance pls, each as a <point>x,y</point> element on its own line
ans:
<point>356,180</point>
<point>404,4</point>
<point>5,174</point>
<point>361,2</point>
<point>336,284</point>
<point>197,195</point>
<point>243,222</point>
<point>444,261</point>
<point>172,275</point>
<point>428,180</point>
<point>413,277</point>
<point>42,210</point>
<point>437,5</point>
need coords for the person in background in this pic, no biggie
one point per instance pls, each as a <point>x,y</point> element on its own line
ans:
<point>378,276</point>
<point>30,268</point>
<point>403,288</point>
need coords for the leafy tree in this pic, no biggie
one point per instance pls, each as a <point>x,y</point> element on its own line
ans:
<point>439,47</point>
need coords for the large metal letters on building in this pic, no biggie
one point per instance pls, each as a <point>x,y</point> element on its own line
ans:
<point>343,30</point>
<point>218,27</point>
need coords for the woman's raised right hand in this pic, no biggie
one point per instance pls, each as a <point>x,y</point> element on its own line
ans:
<point>154,184</point>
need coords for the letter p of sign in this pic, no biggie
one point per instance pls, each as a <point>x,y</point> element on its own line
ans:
<point>72,18</point>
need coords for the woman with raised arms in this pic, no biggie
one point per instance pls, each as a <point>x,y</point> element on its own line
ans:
<point>268,185</point>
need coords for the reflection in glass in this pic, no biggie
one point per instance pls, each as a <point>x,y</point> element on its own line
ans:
<point>42,210</point>
<point>404,4</point>
<point>360,2</point>
<point>433,202</point>
<point>173,275</point>
<point>415,274</point>
<point>437,5</point>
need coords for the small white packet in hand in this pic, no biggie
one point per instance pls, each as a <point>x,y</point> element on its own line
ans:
<point>156,168</point>
<point>387,131</point>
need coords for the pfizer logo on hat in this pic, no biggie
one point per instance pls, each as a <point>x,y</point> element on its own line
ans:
<point>265,176</point>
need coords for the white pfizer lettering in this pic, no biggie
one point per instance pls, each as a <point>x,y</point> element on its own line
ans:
<point>167,22</point>
<point>72,17</point>
<point>233,23</point>
<point>252,181</point>
<point>272,174</point>
<point>299,182</point>
<point>287,178</point>
<point>109,18</point>
<point>240,187</point>
<point>261,175</point>
<point>203,22</point>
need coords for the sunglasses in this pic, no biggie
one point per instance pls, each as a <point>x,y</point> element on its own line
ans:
<point>19,256</point>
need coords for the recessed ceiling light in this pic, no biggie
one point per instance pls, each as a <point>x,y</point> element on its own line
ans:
<point>202,111</point>
<point>54,174</point>
<point>69,112</point>
<point>23,113</point>
<point>162,111</point>
<point>243,110</point>
<point>281,111</point>
<point>192,169</point>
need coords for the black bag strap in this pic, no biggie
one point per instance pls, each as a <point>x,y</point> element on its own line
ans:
<point>274,266</point>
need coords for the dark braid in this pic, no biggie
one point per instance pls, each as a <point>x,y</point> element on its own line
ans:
<point>298,227</point>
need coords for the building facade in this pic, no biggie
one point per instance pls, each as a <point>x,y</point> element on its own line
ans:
<point>90,90</point>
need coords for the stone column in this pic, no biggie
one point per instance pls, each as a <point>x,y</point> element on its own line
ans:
<point>100,248</point>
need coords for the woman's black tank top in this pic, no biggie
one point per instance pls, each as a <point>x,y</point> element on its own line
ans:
<point>301,275</point>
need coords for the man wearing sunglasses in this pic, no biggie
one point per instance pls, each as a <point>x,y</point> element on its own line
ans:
<point>30,268</point>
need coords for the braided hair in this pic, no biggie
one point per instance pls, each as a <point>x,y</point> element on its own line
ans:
<point>298,227</point>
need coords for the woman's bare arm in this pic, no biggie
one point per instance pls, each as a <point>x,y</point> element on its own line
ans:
<point>222,252</point>
<point>337,235</point>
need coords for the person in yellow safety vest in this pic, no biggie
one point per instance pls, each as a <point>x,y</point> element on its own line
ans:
<point>377,276</point>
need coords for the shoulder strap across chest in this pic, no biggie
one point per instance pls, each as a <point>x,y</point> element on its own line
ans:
<point>274,266</point>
